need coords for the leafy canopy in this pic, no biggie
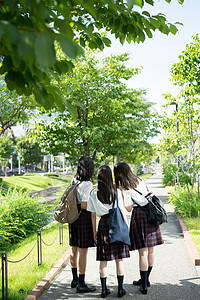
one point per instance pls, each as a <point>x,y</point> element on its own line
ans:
<point>111,119</point>
<point>29,31</point>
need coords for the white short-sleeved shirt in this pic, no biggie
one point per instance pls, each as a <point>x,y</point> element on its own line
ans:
<point>130,195</point>
<point>101,209</point>
<point>83,190</point>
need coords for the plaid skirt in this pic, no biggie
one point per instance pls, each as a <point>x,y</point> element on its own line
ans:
<point>105,250</point>
<point>81,232</point>
<point>142,233</point>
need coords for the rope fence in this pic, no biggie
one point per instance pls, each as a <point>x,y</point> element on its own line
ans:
<point>39,241</point>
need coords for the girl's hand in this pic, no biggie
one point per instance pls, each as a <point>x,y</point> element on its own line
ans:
<point>95,236</point>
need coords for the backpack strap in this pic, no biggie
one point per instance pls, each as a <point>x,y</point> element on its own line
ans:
<point>116,200</point>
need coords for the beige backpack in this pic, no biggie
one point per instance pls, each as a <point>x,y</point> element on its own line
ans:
<point>67,210</point>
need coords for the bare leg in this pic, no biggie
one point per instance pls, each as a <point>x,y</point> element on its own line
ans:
<point>150,257</point>
<point>143,259</point>
<point>119,267</point>
<point>82,260</point>
<point>102,268</point>
<point>74,256</point>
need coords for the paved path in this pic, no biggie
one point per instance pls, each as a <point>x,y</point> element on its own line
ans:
<point>173,276</point>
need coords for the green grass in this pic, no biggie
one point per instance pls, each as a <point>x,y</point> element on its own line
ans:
<point>27,274</point>
<point>146,176</point>
<point>33,182</point>
<point>193,226</point>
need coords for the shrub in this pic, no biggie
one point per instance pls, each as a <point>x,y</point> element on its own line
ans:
<point>187,205</point>
<point>20,215</point>
<point>169,172</point>
<point>51,175</point>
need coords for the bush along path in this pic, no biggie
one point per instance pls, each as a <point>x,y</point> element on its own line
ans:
<point>174,275</point>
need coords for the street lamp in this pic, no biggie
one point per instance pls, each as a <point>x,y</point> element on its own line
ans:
<point>177,130</point>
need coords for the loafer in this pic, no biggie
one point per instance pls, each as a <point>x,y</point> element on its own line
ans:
<point>85,289</point>
<point>104,294</point>
<point>121,293</point>
<point>138,283</point>
<point>74,283</point>
<point>143,291</point>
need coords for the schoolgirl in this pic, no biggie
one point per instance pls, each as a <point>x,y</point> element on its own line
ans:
<point>143,235</point>
<point>99,203</point>
<point>81,232</point>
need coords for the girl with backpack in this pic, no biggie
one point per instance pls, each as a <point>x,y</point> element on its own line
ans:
<point>143,235</point>
<point>99,203</point>
<point>80,231</point>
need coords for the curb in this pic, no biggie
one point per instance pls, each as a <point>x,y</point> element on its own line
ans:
<point>194,253</point>
<point>190,244</point>
<point>36,292</point>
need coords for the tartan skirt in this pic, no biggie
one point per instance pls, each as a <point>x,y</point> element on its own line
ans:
<point>105,250</point>
<point>81,232</point>
<point>142,233</point>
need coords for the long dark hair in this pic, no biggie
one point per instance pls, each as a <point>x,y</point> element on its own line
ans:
<point>106,192</point>
<point>124,176</point>
<point>85,168</point>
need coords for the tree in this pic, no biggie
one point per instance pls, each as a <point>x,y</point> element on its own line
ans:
<point>6,149</point>
<point>30,152</point>
<point>13,109</point>
<point>111,119</point>
<point>30,31</point>
<point>183,143</point>
<point>185,72</point>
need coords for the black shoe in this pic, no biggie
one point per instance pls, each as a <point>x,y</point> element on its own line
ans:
<point>143,291</point>
<point>84,289</point>
<point>138,283</point>
<point>104,294</point>
<point>74,283</point>
<point>121,293</point>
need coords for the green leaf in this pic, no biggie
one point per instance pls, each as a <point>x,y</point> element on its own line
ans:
<point>26,47</point>
<point>71,108</point>
<point>141,35</point>
<point>71,48</point>
<point>155,22</point>
<point>151,2</point>
<point>130,3</point>
<point>44,50</point>
<point>106,41</point>
<point>173,29</point>
<point>148,32</point>
<point>181,1</point>
<point>146,13</point>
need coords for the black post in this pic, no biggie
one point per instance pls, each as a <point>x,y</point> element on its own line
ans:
<point>177,130</point>
<point>39,246</point>
<point>61,233</point>
<point>4,276</point>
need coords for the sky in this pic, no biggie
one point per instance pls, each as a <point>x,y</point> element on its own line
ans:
<point>157,55</point>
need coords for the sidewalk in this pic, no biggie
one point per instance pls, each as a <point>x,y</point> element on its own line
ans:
<point>174,275</point>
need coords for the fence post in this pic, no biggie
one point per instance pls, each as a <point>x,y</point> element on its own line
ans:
<point>4,276</point>
<point>39,246</point>
<point>61,233</point>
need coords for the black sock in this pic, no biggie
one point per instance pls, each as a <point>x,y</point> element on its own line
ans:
<point>120,282</point>
<point>143,275</point>
<point>148,272</point>
<point>103,284</point>
<point>81,280</point>
<point>75,274</point>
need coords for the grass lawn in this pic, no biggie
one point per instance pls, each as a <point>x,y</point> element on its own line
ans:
<point>33,182</point>
<point>25,275</point>
<point>193,226</point>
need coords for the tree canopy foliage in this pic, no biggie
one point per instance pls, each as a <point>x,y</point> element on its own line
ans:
<point>111,119</point>
<point>14,109</point>
<point>30,31</point>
